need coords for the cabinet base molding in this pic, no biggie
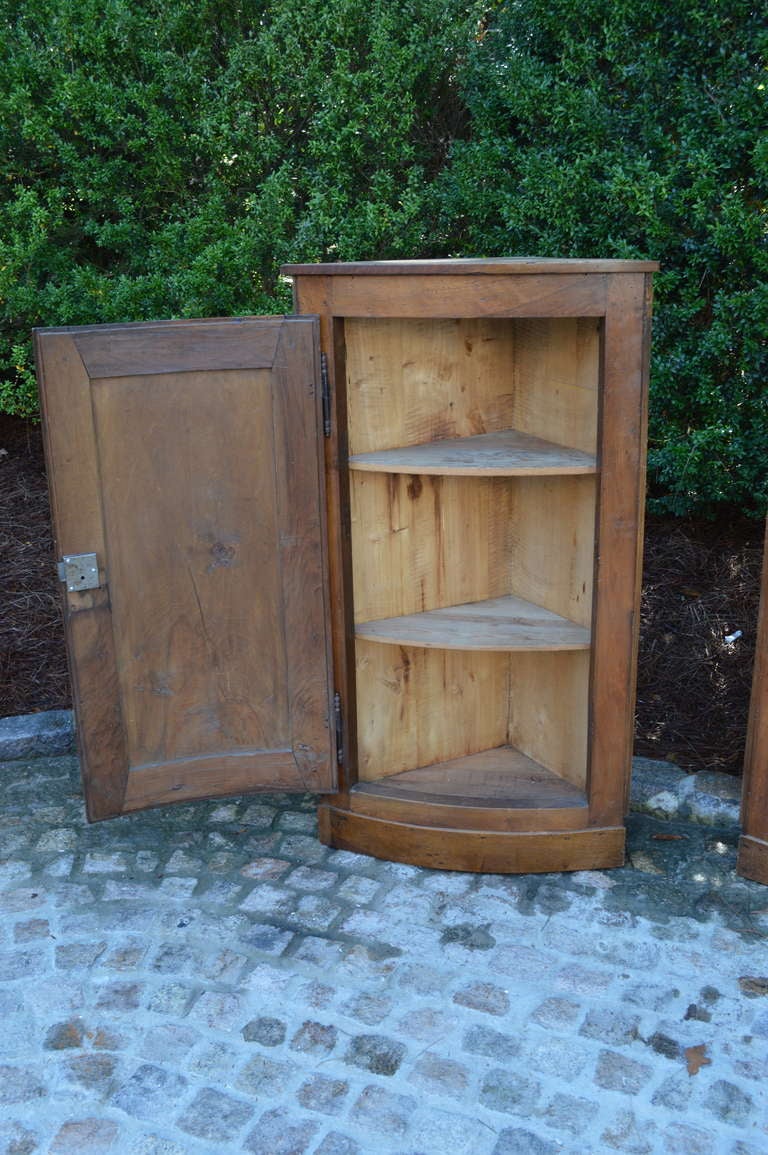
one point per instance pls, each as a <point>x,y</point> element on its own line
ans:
<point>492,852</point>
<point>753,859</point>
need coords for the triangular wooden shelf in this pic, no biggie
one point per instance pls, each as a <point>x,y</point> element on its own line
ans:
<point>507,453</point>
<point>506,623</point>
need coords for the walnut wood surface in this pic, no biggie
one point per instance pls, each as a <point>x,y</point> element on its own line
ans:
<point>494,852</point>
<point>207,645</point>
<point>752,861</point>
<point>493,266</point>
<point>621,504</point>
<point>753,848</point>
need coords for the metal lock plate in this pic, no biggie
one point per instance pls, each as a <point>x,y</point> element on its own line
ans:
<point>80,571</point>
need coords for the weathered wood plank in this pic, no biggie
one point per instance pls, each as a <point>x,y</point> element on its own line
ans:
<point>506,623</point>
<point>505,454</point>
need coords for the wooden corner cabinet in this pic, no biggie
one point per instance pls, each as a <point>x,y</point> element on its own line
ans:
<point>387,550</point>
<point>753,846</point>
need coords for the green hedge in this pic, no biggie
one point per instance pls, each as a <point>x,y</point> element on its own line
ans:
<point>164,159</point>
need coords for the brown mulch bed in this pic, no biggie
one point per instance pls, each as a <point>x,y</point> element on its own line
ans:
<point>700,586</point>
<point>33,664</point>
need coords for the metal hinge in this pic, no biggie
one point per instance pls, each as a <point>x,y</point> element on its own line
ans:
<point>326,394</point>
<point>339,728</point>
<point>79,571</point>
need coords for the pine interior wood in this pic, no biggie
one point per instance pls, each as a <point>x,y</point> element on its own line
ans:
<point>473,493</point>
<point>424,543</point>
<point>506,623</point>
<point>417,706</point>
<point>549,710</point>
<point>505,454</point>
<point>420,706</point>
<point>416,380</point>
<point>501,777</point>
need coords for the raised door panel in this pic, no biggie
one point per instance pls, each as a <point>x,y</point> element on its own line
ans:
<point>185,455</point>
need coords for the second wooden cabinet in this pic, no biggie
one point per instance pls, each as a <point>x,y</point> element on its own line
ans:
<point>467,557</point>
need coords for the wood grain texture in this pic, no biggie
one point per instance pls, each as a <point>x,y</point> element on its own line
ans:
<point>416,380</point>
<point>493,852</point>
<point>550,544</point>
<point>311,297</point>
<point>753,849</point>
<point>474,295</point>
<point>503,777</point>
<point>177,347</point>
<point>189,779</point>
<point>367,799</point>
<point>752,861</point>
<point>461,266</point>
<point>619,546</point>
<point>210,492</point>
<point>505,454</point>
<point>506,623</point>
<point>549,711</point>
<point>74,482</point>
<point>302,551</point>
<point>424,543</point>
<point>417,706</point>
<point>186,531</point>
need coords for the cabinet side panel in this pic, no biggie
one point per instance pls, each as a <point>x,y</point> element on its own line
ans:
<point>416,707</point>
<point>549,710</point>
<point>755,791</point>
<point>556,379</point>
<point>550,544</point>
<point>619,545</point>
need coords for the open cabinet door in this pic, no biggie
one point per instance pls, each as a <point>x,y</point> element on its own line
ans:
<point>185,468</point>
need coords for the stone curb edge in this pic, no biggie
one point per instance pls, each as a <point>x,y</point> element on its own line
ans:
<point>43,735</point>
<point>660,789</point>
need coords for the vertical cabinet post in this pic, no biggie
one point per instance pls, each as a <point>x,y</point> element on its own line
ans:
<point>485,492</point>
<point>753,847</point>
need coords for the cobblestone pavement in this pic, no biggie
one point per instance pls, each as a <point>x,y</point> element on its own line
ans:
<point>210,978</point>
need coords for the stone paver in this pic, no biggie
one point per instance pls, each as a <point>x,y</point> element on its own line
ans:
<point>211,979</point>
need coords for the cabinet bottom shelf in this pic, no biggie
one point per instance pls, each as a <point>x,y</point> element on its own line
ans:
<point>497,812</point>
<point>502,777</point>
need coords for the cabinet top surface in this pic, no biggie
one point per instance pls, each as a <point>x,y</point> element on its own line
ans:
<point>458,266</point>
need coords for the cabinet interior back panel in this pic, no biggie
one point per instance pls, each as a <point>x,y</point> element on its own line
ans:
<point>421,542</point>
<point>416,706</point>
<point>416,380</point>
